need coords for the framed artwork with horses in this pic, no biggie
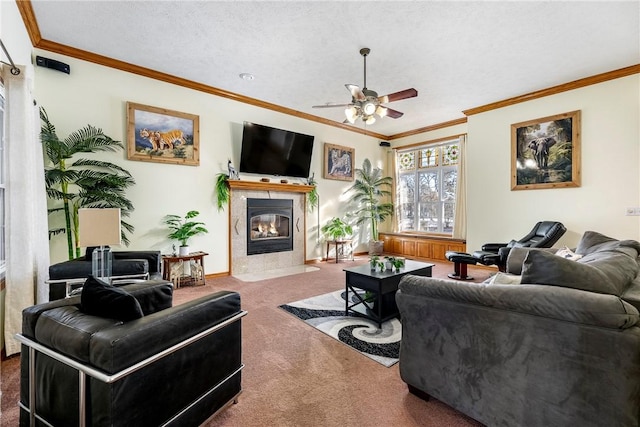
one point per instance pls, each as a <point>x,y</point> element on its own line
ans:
<point>160,135</point>
<point>338,162</point>
<point>545,152</point>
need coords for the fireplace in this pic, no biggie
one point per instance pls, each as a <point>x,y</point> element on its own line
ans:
<point>269,225</point>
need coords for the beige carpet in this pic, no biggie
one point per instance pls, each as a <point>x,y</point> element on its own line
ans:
<point>295,375</point>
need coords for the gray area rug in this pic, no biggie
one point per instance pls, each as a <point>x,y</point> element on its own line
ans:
<point>326,313</point>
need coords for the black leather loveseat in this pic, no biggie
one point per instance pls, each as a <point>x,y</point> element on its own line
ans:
<point>140,264</point>
<point>174,366</point>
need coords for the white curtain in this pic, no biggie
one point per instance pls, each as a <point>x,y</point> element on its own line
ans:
<point>460,214</point>
<point>392,156</point>
<point>26,226</point>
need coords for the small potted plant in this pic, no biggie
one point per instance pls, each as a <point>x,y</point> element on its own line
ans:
<point>183,229</point>
<point>375,262</point>
<point>336,229</point>
<point>394,263</point>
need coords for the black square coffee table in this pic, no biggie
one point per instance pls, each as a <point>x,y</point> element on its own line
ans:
<point>383,284</point>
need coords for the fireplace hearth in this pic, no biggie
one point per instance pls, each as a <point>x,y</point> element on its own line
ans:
<point>269,225</point>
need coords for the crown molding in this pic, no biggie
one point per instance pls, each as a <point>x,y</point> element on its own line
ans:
<point>576,84</point>
<point>429,128</point>
<point>26,10</point>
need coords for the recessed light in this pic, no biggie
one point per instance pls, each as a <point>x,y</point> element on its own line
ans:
<point>246,76</point>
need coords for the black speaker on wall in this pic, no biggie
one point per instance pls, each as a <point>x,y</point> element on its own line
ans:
<point>53,64</point>
<point>385,144</point>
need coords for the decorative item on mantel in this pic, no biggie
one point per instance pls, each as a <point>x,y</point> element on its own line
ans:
<point>233,173</point>
<point>183,229</point>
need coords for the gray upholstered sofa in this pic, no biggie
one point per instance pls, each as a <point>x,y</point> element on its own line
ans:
<point>562,348</point>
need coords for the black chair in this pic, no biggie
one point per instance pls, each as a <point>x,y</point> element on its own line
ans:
<point>67,276</point>
<point>543,235</point>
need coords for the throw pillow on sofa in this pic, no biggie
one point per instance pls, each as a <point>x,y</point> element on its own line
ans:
<point>593,241</point>
<point>608,275</point>
<point>101,299</point>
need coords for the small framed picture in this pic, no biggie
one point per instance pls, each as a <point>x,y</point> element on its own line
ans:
<point>338,162</point>
<point>545,152</point>
<point>161,135</point>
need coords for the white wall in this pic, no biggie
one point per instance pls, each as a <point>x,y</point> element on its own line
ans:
<point>610,175</point>
<point>610,167</point>
<point>14,35</point>
<point>97,95</point>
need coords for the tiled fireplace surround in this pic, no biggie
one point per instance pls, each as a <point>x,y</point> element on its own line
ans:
<point>240,262</point>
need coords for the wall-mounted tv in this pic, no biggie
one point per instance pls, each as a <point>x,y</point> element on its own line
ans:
<point>271,151</point>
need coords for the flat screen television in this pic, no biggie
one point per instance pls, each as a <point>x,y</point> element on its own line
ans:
<point>271,151</point>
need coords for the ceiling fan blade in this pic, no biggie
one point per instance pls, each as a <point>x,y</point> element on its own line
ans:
<point>394,114</point>
<point>331,105</point>
<point>356,92</point>
<point>397,96</point>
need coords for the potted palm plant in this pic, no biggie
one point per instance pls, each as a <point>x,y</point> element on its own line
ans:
<point>73,183</point>
<point>369,191</point>
<point>183,229</point>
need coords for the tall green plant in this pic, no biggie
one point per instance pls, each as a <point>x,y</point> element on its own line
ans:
<point>74,183</point>
<point>368,192</point>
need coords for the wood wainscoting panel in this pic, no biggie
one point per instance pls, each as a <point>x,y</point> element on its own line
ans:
<point>420,246</point>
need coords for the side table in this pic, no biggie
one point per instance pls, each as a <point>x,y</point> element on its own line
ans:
<point>196,264</point>
<point>340,245</point>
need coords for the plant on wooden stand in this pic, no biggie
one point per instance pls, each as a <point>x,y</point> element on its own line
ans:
<point>336,229</point>
<point>183,229</point>
<point>369,190</point>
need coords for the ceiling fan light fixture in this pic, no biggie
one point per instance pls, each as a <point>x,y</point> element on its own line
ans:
<point>369,108</point>
<point>381,111</point>
<point>351,113</point>
<point>369,119</point>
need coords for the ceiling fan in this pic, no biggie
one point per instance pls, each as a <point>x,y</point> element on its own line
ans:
<point>366,103</point>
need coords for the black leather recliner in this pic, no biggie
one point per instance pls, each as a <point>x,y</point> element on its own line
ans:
<point>176,366</point>
<point>543,235</point>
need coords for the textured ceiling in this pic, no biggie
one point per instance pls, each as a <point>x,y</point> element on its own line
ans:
<point>458,55</point>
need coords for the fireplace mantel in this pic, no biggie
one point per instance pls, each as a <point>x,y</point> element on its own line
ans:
<point>236,184</point>
<point>240,191</point>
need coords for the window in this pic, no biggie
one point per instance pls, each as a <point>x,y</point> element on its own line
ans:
<point>426,187</point>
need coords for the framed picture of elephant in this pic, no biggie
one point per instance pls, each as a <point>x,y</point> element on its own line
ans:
<point>164,136</point>
<point>545,152</point>
<point>338,162</point>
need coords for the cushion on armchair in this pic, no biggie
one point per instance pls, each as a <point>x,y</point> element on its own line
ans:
<point>104,300</point>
